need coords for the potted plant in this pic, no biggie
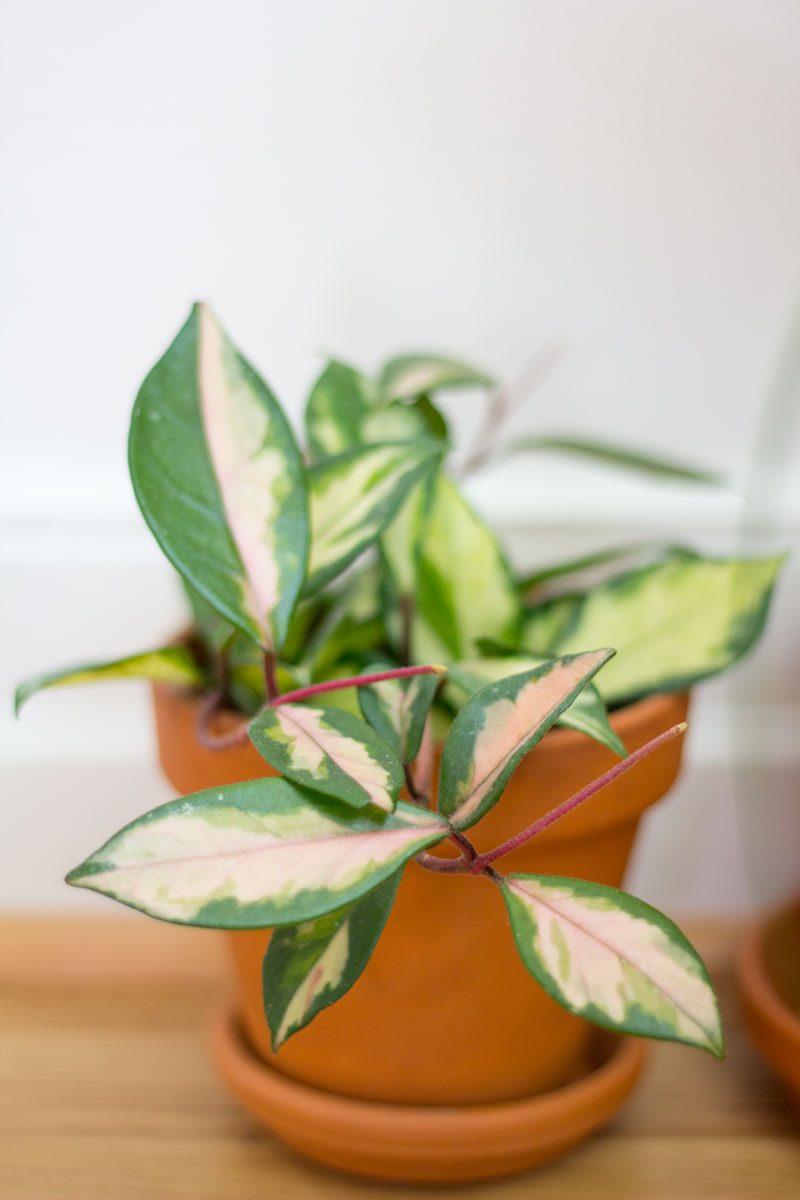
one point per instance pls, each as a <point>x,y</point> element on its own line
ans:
<point>322,592</point>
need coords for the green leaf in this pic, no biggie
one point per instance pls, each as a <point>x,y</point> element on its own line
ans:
<point>673,623</point>
<point>352,631</point>
<point>613,959</point>
<point>308,967</point>
<point>172,664</point>
<point>465,590</point>
<point>220,481</point>
<point>397,709</point>
<point>404,423</point>
<point>586,714</point>
<point>498,725</point>
<point>340,401</point>
<point>355,496</point>
<point>329,751</point>
<point>544,624</point>
<point>252,855</point>
<point>617,456</point>
<point>214,631</point>
<point>413,375</point>
<point>401,544</point>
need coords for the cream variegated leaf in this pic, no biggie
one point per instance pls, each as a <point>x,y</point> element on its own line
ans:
<point>330,751</point>
<point>252,855</point>
<point>340,401</point>
<point>354,496</point>
<point>220,481</point>
<point>672,623</point>
<point>464,588</point>
<point>397,709</point>
<point>172,664</point>
<point>613,959</point>
<point>413,375</point>
<point>587,713</point>
<point>309,966</point>
<point>499,724</point>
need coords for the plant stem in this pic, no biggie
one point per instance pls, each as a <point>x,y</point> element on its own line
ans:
<point>331,685</point>
<point>555,814</point>
<point>217,741</point>
<point>450,866</point>
<point>503,402</point>
<point>270,678</point>
<point>411,786</point>
<point>464,844</point>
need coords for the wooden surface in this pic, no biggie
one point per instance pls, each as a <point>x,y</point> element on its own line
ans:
<point>106,1092</point>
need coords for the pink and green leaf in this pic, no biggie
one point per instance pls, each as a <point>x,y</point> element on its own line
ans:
<point>353,498</point>
<point>613,959</point>
<point>587,713</point>
<point>330,751</point>
<point>412,375</point>
<point>220,480</point>
<point>252,855</point>
<point>499,724</point>
<point>398,708</point>
<point>308,967</point>
<point>171,664</point>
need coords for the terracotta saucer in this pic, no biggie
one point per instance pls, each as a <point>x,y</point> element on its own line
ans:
<point>768,971</point>
<point>426,1143</point>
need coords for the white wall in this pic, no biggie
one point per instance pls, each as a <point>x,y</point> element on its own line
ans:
<point>365,177</point>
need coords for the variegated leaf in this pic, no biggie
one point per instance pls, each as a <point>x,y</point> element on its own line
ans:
<point>252,855</point>
<point>354,497</point>
<point>401,544</point>
<point>308,967</point>
<point>351,631</point>
<point>544,624</point>
<point>587,713</point>
<point>635,555</point>
<point>673,623</point>
<point>339,402</point>
<point>413,375</point>
<point>465,590</point>
<point>172,664</point>
<point>613,959</point>
<point>329,751</point>
<point>220,481</point>
<point>498,725</point>
<point>397,709</point>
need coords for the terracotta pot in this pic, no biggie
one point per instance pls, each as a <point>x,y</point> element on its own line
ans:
<point>445,1013</point>
<point>768,970</point>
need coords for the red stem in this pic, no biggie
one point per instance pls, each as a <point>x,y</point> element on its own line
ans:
<point>270,678</point>
<point>483,860</point>
<point>239,736</point>
<point>331,685</point>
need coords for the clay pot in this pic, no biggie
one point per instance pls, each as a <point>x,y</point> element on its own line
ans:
<point>445,1013</point>
<point>768,971</point>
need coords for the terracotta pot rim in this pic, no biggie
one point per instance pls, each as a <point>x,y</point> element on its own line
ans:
<point>626,718</point>
<point>755,981</point>
<point>441,1136</point>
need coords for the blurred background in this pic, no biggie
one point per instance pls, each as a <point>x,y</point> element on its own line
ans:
<point>482,179</point>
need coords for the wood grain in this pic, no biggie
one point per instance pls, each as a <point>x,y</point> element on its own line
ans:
<point>106,1090</point>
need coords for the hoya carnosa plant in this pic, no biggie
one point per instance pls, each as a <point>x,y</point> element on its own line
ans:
<point>318,563</point>
<point>318,854</point>
<point>317,578</point>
